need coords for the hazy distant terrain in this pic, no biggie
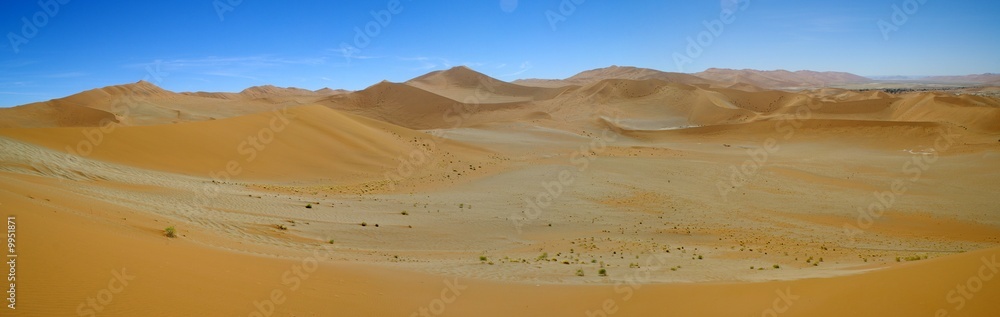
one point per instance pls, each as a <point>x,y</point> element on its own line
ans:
<point>672,192</point>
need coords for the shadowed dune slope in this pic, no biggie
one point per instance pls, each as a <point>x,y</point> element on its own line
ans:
<point>617,72</point>
<point>301,143</point>
<point>919,288</point>
<point>53,114</point>
<point>416,108</point>
<point>778,79</point>
<point>143,103</point>
<point>468,86</point>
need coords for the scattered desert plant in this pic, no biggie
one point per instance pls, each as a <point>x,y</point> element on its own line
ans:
<point>776,266</point>
<point>482,258</point>
<point>309,206</point>
<point>404,213</point>
<point>579,272</point>
<point>602,272</point>
<point>331,241</point>
<point>364,224</point>
<point>170,232</point>
<point>281,226</point>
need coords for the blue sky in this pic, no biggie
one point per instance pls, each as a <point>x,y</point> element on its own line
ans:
<point>229,45</point>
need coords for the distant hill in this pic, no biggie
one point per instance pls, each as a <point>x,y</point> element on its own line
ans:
<point>615,72</point>
<point>986,79</point>
<point>463,84</point>
<point>779,79</point>
<point>143,103</point>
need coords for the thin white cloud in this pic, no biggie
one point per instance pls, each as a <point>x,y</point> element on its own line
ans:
<point>65,75</point>
<point>260,61</point>
<point>228,74</point>
<point>525,66</point>
<point>349,54</point>
<point>427,63</point>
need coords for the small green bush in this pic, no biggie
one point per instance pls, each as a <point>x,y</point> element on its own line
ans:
<point>170,232</point>
<point>602,272</point>
<point>579,272</point>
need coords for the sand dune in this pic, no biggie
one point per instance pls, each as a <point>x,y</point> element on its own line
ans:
<point>308,143</point>
<point>781,79</point>
<point>416,108</point>
<point>616,72</point>
<point>987,78</point>
<point>457,194</point>
<point>54,114</point>
<point>465,85</point>
<point>143,103</point>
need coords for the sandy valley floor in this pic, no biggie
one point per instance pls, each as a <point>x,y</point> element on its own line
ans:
<point>693,200</point>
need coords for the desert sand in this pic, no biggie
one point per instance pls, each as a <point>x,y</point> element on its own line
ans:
<point>617,192</point>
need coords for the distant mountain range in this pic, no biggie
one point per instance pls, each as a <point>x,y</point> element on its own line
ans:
<point>425,102</point>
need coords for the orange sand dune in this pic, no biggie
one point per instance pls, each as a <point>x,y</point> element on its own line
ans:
<point>146,274</point>
<point>617,72</point>
<point>301,143</point>
<point>53,114</point>
<point>415,108</point>
<point>143,103</point>
<point>780,79</point>
<point>511,200</point>
<point>468,86</point>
